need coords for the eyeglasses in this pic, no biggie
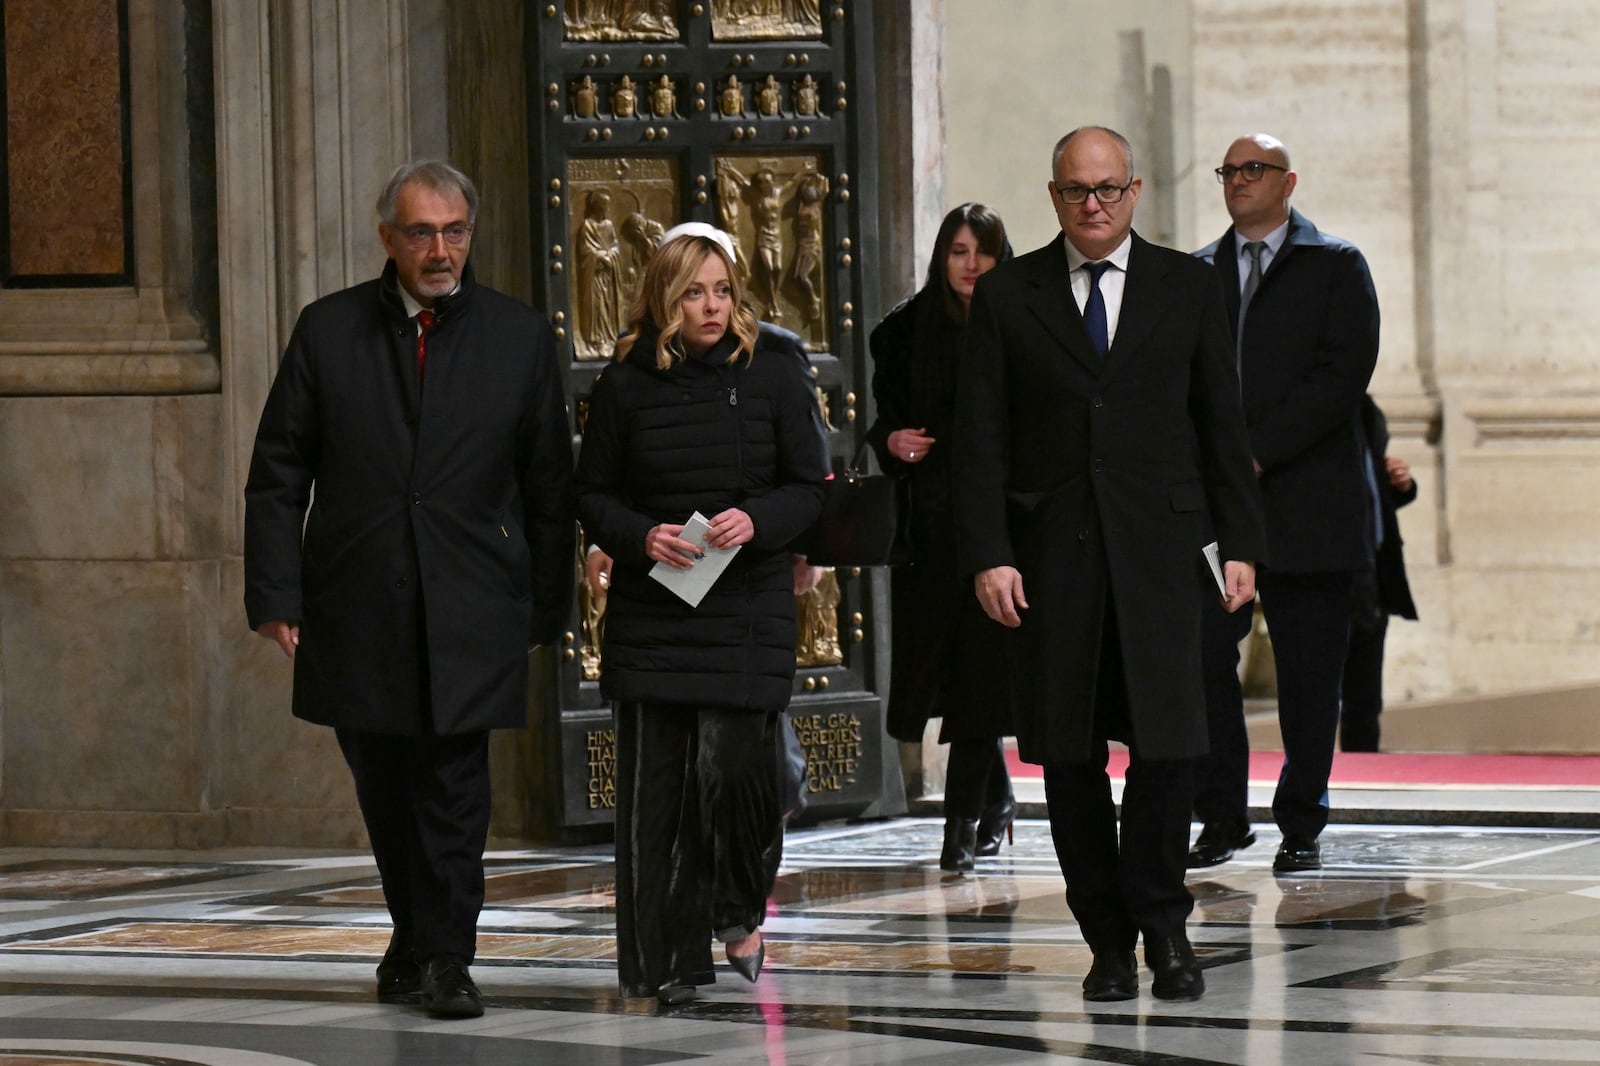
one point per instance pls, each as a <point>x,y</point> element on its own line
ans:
<point>1252,170</point>
<point>1077,194</point>
<point>420,237</point>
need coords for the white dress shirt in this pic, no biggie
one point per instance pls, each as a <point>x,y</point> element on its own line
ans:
<point>1112,282</point>
<point>1274,241</point>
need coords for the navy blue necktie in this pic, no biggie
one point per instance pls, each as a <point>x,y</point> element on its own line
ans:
<point>1094,309</point>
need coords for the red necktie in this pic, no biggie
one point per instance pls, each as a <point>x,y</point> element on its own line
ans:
<point>424,324</point>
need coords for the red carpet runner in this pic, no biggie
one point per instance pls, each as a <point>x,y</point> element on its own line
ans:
<point>1411,771</point>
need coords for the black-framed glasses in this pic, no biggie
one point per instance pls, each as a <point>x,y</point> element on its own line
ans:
<point>1252,170</point>
<point>1077,194</point>
<point>419,237</point>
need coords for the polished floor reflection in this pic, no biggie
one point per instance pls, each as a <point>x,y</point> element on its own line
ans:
<point>1433,945</point>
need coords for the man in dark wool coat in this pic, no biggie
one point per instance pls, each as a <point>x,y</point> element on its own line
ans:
<point>1097,422</point>
<point>420,417</point>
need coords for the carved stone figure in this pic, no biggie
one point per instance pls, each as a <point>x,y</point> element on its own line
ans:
<point>599,290</point>
<point>624,100</point>
<point>591,625</point>
<point>734,20</point>
<point>642,233</point>
<point>663,100</point>
<point>618,20</point>
<point>767,213</point>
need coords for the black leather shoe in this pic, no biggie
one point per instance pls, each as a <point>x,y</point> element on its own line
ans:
<point>399,974</point>
<point>1297,853</point>
<point>1113,977</point>
<point>448,991</point>
<point>1177,971</point>
<point>960,845</point>
<point>675,995</point>
<point>994,825</point>
<point>1218,841</point>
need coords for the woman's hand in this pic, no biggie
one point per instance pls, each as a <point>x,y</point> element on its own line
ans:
<point>730,529</point>
<point>910,445</point>
<point>665,546</point>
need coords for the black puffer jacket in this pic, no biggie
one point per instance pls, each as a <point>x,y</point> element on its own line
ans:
<point>703,435</point>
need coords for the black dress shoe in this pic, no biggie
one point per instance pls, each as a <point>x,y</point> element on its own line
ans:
<point>447,989</point>
<point>675,995</point>
<point>1297,853</point>
<point>1113,977</point>
<point>1218,841</point>
<point>399,974</point>
<point>1177,971</point>
<point>960,845</point>
<point>994,825</point>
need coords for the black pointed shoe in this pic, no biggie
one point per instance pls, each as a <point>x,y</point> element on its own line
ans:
<point>749,966</point>
<point>1112,978</point>
<point>994,825</point>
<point>1177,971</point>
<point>399,974</point>
<point>1218,841</point>
<point>960,845</point>
<point>1297,853</point>
<point>447,989</point>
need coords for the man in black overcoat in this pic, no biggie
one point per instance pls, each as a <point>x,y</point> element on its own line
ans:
<point>1097,423</point>
<point>420,418</point>
<point>1307,340</point>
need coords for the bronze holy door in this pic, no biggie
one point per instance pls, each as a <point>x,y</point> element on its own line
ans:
<point>756,116</point>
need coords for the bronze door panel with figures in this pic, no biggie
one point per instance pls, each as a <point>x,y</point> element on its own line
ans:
<point>647,113</point>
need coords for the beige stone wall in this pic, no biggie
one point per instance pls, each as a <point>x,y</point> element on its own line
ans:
<point>1452,141</point>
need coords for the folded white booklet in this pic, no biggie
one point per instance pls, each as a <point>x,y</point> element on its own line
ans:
<point>691,585</point>
<point>1212,557</point>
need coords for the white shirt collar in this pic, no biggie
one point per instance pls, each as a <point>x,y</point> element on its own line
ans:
<point>1118,257</point>
<point>1273,241</point>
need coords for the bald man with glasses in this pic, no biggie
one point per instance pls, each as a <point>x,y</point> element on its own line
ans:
<point>1305,327</point>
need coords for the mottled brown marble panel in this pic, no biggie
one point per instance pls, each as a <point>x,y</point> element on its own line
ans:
<point>64,137</point>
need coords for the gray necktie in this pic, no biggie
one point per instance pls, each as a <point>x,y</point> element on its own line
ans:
<point>1251,282</point>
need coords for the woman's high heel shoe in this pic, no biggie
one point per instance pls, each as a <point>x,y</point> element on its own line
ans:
<point>996,822</point>
<point>749,966</point>
<point>960,842</point>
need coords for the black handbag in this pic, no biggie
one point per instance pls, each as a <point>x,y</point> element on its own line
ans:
<point>865,520</point>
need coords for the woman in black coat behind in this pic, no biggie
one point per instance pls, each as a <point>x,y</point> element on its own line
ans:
<point>700,410</point>
<point>948,656</point>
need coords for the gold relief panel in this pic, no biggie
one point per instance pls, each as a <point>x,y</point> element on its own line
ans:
<point>774,207</point>
<point>765,20</point>
<point>620,20</point>
<point>620,207</point>
<point>63,102</point>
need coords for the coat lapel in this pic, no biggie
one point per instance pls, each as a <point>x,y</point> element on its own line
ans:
<point>1141,301</point>
<point>1051,301</point>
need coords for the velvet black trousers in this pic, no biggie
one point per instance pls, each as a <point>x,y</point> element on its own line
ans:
<point>698,821</point>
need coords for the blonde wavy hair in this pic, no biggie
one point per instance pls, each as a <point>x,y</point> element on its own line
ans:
<point>659,300</point>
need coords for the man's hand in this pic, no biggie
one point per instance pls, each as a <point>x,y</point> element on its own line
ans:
<point>287,635</point>
<point>1399,472</point>
<point>597,573</point>
<point>910,445</point>
<point>1000,592</point>
<point>1240,579</point>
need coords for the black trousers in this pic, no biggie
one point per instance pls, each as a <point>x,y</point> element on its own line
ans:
<point>425,801</point>
<point>1119,886</point>
<point>975,777</point>
<point>1361,695</point>
<point>1308,616</point>
<point>698,814</point>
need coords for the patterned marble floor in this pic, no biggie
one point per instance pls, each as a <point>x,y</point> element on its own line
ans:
<point>1425,945</point>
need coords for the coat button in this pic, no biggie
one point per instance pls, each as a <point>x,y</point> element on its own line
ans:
<point>416,498</point>
<point>400,584</point>
<point>1083,535</point>
<point>1098,402</point>
<point>1099,465</point>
